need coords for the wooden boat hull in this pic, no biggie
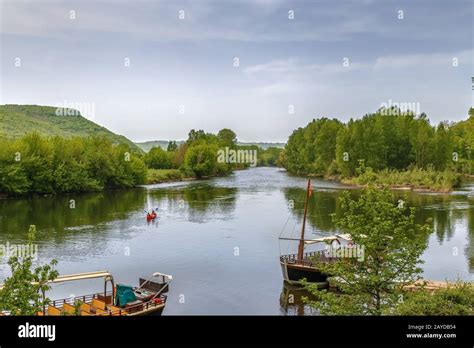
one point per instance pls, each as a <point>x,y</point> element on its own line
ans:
<point>294,273</point>
<point>154,311</point>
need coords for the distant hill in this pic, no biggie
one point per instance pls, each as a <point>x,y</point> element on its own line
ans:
<point>18,120</point>
<point>264,145</point>
<point>147,145</point>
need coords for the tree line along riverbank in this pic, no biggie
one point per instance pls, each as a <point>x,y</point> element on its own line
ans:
<point>36,164</point>
<point>386,148</point>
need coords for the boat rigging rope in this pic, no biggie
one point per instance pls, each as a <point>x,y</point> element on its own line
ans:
<point>283,229</point>
<point>281,232</point>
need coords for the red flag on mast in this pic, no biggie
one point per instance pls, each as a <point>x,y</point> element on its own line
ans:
<point>310,190</point>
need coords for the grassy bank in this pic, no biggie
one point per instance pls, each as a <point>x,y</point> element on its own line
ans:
<point>416,179</point>
<point>156,176</point>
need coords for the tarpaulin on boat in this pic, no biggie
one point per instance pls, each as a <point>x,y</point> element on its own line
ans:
<point>124,295</point>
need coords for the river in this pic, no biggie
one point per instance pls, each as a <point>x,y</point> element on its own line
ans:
<point>217,237</point>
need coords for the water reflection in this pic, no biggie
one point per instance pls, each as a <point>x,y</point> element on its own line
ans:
<point>448,214</point>
<point>292,302</point>
<point>200,202</point>
<point>200,226</point>
<point>60,215</point>
<point>320,207</point>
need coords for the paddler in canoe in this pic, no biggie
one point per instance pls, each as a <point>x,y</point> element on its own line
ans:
<point>151,215</point>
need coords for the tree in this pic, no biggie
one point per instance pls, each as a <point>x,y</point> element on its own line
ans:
<point>36,164</point>
<point>391,245</point>
<point>22,292</point>
<point>201,160</point>
<point>195,136</point>
<point>443,146</point>
<point>157,158</point>
<point>384,140</point>
<point>172,146</point>
<point>227,137</point>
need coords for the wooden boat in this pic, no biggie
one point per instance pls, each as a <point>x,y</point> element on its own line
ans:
<point>148,297</point>
<point>295,267</point>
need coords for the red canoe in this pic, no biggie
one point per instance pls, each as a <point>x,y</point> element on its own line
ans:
<point>151,216</point>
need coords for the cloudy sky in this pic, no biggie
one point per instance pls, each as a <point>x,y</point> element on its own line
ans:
<point>155,69</point>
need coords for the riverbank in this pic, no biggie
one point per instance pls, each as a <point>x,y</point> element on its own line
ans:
<point>204,218</point>
<point>158,176</point>
<point>418,180</point>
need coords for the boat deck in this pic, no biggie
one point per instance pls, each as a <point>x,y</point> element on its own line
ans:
<point>100,305</point>
<point>310,259</point>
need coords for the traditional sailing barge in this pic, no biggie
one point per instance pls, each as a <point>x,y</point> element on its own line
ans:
<point>295,267</point>
<point>146,299</point>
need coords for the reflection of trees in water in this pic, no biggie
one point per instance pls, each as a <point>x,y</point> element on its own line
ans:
<point>201,202</point>
<point>320,207</point>
<point>470,247</point>
<point>292,303</point>
<point>446,212</point>
<point>54,213</point>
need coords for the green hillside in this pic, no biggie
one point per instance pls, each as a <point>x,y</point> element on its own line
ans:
<point>18,120</point>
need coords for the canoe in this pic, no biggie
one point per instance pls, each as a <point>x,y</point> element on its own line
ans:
<point>151,216</point>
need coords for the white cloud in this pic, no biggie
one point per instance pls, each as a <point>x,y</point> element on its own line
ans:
<point>422,60</point>
<point>295,66</point>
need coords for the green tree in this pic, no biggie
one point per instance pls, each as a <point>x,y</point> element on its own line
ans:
<point>13,177</point>
<point>444,146</point>
<point>36,156</point>
<point>157,158</point>
<point>172,146</point>
<point>392,246</point>
<point>36,164</point>
<point>201,160</point>
<point>22,292</point>
<point>268,157</point>
<point>227,137</point>
<point>196,136</point>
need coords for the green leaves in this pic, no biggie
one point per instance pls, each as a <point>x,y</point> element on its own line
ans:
<point>22,291</point>
<point>157,158</point>
<point>39,165</point>
<point>202,159</point>
<point>395,141</point>
<point>457,299</point>
<point>392,245</point>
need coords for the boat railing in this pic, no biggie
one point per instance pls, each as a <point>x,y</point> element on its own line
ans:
<point>122,311</point>
<point>309,258</point>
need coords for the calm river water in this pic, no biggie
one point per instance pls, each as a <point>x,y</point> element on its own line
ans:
<point>218,238</point>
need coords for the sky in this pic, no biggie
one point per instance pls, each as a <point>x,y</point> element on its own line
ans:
<point>156,69</point>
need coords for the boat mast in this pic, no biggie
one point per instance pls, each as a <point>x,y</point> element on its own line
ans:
<point>301,244</point>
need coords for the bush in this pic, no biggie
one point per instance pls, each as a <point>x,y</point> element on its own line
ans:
<point>157,158</point>
<point>163,175</point>
<point>40,165</point>
<point>201,160</point>
<point>426,179</point>
<point>454,300</point>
